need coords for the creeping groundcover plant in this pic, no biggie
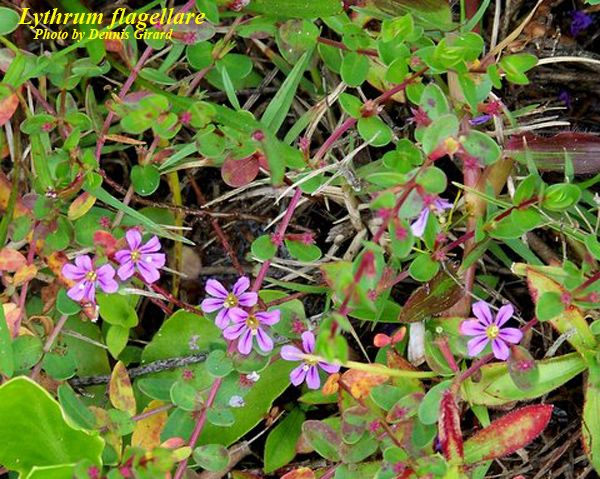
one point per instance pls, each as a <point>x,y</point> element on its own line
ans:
<point>299,239</point>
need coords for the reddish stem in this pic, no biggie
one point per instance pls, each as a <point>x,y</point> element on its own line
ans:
<point>332,43</point>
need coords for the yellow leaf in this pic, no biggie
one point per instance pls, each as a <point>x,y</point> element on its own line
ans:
<point>24,274</point>
<point>120,391</point>
<point>147,431</point>
<point>361,382</point>
<point>81,205</point>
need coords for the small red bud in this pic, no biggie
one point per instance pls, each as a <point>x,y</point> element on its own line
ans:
<point>380,340</point>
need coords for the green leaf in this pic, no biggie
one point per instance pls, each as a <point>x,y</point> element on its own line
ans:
<point>280,447</point>
<point>296,9</point>
<point>495,387</point>
<point>9,20</point>
<point>306,253</point>
<point>156,76</point>
<point>433,179</point>
<point>355,68</point>
<point>115,309</point>
<point>323,439</point>
<point>429,409</point>
<point>7,362</point>
<point>561,196</point>
<point>481,146</point>
<point>440,130</point>
<point>74,407</point>
<point>218,364</point>
<point>145,179</point>
<point>212,457</point>
<point>434,102</point>
<point>28,411</point>
<point>116,339</point>
<point>374,131</point>
<point>423,267</point>
<point>263,248</point>
<point>549,305</point>
<point>515,67</point>
<point>278,108</point>
<point>590,427</point>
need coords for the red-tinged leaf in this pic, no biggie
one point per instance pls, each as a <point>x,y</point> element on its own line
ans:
<point>360,383</point>
<point>107,241</point>
<point>300,473</point>
<point>323,439</point>
<point>590,424</point>
<point>5,190</point>
<point>11,260</point>
<point>120,391</point>
<point>147,431</point>
<point>238,173</point>
<point>549,153</point>
<point>449,432</point>
<point>80,206</point>
<point>433,298</point>
<point>507,434</point>
<point>8,106</point>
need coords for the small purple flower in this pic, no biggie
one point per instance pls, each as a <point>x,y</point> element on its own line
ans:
<point>228,303</point>
<point>143,257</point>
<point>565,97</point>
<point>480,120</point>
<point>438,205</point>
<point>308,370</point>
<point>246,326</point>
<point>88,278</point>
<point>488,328</point>
<point>580,21</point>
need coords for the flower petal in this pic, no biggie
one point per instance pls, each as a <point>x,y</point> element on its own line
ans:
<point>72,272</point>
<point>500,349</point>
<point>511,335</point>
<point>105,272</point>
<point>241,285</point>
<point>123,255</point>
<point>504,314</point>
<point>441,204</point>
<point>237,315</point>
<point>290,353</point>
<point>108,285</point>
<point>216,289</point>
<point>222,319</point>
<point>313,381</point>
<point>156,260</point>
<point>134,238</point>
<point>77,292</point>
<point>245,342</point>
<point>269,317</point>
<point>234,331</point>
<point>482,312</point>
<point>265,343</point>
<point>148,272</point>
<point>418,226</point>
<point>472,327</point>
<point>477,344</point>
<point>247,299</point>
<point>328,367</point>
<point>308,341</point>
<point>297,375</point>
<point>126,271</point>
<point>84,262</point>
<point>151,246</point>
<point>210,305</point>
<point>89,292</point>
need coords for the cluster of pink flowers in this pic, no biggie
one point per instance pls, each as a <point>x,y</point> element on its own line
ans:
<point>236,322</point>
<point>144,259</point>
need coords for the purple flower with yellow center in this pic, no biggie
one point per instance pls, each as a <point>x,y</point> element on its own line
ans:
<point>309,369</point>
<point>489,328</point>
<point>141,257</point>
<point>437,205</point>
<point>247,326</point>
<point>228,303</point>
<point>88,278</point>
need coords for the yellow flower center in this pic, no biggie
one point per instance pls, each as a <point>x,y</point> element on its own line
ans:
<point>252,323</point>
<point>135,255</point>
<point>231,301</point>
<point>492,331</point>
<point>91,276</point>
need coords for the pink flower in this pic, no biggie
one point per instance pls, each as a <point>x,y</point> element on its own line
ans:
<point>88,278</point>
<point>438,205</point>
<point>228,303</point>
<point>488,328</point>
<point>308,370</point>
<point>143,257</point>
<point>248,326</point>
